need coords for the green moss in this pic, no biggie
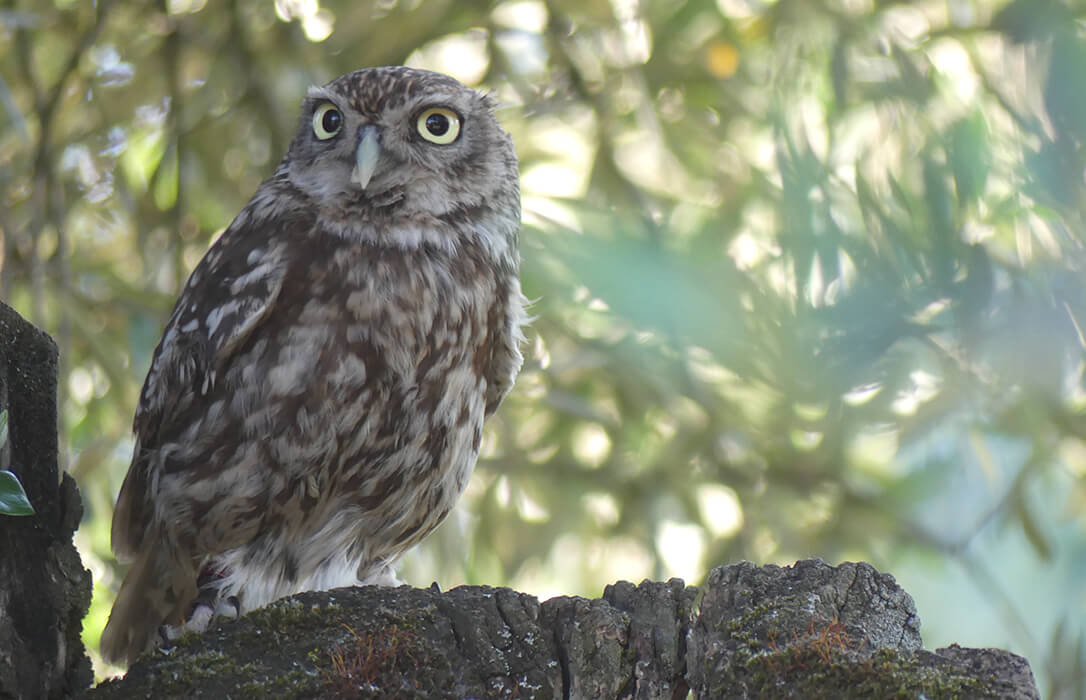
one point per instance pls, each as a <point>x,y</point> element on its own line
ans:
<point>824,663</point>
<point>176,676</point>
<point>293,614</point>
<point>296,684</point>
<point>805,670</point>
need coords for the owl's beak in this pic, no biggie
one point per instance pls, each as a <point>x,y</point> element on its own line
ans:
<point>365,156</point>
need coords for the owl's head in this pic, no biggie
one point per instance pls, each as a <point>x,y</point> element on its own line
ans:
<point>404,144</point>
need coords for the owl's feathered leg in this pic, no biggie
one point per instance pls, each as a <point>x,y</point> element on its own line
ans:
<point>157,589</point>
<point>384,575</point>
<point>208,605</point>
<point>209,595</point>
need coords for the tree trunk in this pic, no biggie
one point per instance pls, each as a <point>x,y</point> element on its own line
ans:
<point>44,589</point>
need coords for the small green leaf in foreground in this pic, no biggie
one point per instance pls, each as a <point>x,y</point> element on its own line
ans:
<point>13,500</point>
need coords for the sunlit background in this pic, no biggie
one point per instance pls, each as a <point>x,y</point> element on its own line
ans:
<point>808,275</point>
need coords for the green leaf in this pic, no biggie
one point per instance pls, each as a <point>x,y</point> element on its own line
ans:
<point>839,72</point>
<point>1066,104</point>
<point>141,158</point>
<point>3,427</point>
<point>1031,528</point>
<point>970,157</point>
<point>13,500</point>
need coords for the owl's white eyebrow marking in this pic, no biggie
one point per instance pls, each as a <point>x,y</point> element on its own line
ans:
<point>317,91</point>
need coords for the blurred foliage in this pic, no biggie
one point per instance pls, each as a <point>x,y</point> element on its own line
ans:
<point>808,273</point>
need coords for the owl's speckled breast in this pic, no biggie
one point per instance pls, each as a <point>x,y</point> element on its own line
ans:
<point>356,486</point>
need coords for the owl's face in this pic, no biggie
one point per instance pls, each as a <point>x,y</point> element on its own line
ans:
<point>395,137</point>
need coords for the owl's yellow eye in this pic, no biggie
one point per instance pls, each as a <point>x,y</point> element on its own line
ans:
<point>327,121</point>
<point>439,125</point>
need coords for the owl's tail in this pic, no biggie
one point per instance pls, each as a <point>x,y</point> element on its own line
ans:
<point>157,590</point>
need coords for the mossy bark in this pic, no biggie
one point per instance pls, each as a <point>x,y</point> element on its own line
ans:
<point>810,630</point>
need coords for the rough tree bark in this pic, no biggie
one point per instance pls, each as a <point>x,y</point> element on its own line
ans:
<point>807,631</point>
<point>44,589</point>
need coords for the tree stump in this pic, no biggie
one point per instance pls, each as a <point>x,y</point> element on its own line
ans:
<point>807,631</point>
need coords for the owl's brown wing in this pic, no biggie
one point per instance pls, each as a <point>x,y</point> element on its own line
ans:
<point>507,316</point>
<point>230,293</point>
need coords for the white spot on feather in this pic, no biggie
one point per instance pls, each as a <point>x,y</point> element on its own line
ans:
<point>289,378</point>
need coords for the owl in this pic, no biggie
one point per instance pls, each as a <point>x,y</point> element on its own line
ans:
<point>316,403</point>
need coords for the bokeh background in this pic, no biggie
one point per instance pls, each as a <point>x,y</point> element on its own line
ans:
<point>809,274</point>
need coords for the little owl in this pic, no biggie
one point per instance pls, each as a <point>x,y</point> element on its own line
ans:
<point>316,403</point>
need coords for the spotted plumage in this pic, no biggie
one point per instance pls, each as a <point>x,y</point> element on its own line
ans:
<point>315,406</point>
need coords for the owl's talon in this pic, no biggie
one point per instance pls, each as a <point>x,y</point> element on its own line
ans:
<point>166,635</point>
<point>435,587</point>
<point>229,607</point>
